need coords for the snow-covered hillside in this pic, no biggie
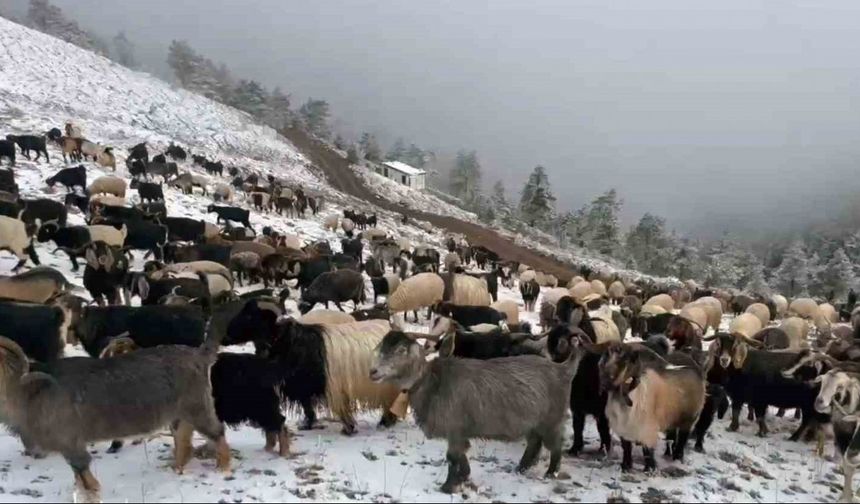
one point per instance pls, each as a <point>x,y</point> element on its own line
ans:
<point>44,82</point>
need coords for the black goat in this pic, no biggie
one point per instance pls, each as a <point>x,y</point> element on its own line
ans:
<point>150,191</point>
<point>44,210</point>
<point>70,178</point>
<point>31,142</point>
<point>40,330</point>
<point>235,214</point>
<point>335,286</point>
<point>468,316</point>
<point>71,240</point>
<point>7,150</point>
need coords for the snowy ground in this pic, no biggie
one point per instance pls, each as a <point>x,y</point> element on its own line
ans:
<point>44,82</point>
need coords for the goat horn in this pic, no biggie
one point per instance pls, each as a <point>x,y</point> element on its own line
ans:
<point>754,342</point>
<point>710,338</point>
<point>16,350</point>
<point>111,348</point>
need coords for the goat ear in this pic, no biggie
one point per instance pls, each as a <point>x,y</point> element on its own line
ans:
<point>818,365</point>
<point>740,356</point>
<point>142,287</point>
<point>446,346</point>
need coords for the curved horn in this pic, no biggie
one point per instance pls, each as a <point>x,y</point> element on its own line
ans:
<point>17,351</point>
<point>710,338</point>
<point>746,339</point>
<point>118,346</point>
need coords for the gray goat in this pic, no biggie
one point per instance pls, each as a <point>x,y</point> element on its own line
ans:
<point>98,400</point>
<point>460,399</point>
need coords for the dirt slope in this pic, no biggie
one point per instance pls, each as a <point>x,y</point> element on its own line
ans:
<point>342,178</point>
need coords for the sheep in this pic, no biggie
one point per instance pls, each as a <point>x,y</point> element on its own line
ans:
<point>326,317</point>
<point>99,201</point>
<point>780,303</point>
<point>334,286</point>
<point>745,324</point>
<point>331,223</point>
<point>222,192</point>
<point>385,285</point>
<point>826,316</point>
<point>334,361</point>
<point>616,291</point>
<point>805,308</point>
<point>714,308</point>
<point>14,238</point>
<point>574,281</point>
<point>598,287</point>
<point>37,285</point>
<point>664,301</point>
<point>506,398</point>
<point>528,276</point>
<point>510,309</point>
<point>464,290</point>
<point>647,397</point>
<point>604,327</point>
<point>109,234</point>
<point>581,290</point>
<point>347,225</point>
<point>761,311</point>
<point>84,408</point>
<point>108,185</point>
<point>797,330</point>
<point>157,271</point>
<point>420,291</point>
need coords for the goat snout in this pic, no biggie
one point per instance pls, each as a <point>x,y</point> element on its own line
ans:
<point>375,375</point>
<point>821,406</point>
<point>725,360</point>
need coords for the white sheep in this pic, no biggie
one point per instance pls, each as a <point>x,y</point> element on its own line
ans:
<point>107,159</point>
<point>664,301</point>
<point>374,234</point>
<point>616,290</point>
<point>550,280</point>
<point>575,280</point>
<point>649,310</point>
<point>470,291</point>
<point>805,308</point>
<point>108,184</point>
<point>580,291</point>
<point>331,223</point>
<point>528,276</point>
<point>293,242</point>
<point>347,225</point>
<point>825,317</point>
<point>108,234</point>
<point>105,200</point>
<point>509,308</point>
<point>552,296</point>
<point>781,304</point>
<point>13,237</point>
<point>420,291</point>
<point>222,192</point>
<point>598,287</point>
<point>604,327</point>
<point>696,314</point>
<point>208,267</point>
<point>714,308</point>
<point>745,324</point>
<point>326,317</point>
<point>797,330</point>
<point>761,311</point>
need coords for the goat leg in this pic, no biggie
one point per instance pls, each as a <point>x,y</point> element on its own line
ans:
<point>736,413</point>
<point>847,484</point>
<point>182,446</point>
<point>530,456</point>
<point>456,475</point>
<point>578,427</point>
<point>79,460</point>
<point>650,461</point>
<point>680,443</point>
<point>627,458</point>
<point>605,434</point>
<point>115,446</point>
<point>760,415</point>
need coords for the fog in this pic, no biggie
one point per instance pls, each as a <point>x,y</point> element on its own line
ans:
<point>738,114</point>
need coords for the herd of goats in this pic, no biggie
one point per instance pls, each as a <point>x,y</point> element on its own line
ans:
<point>478,373</point>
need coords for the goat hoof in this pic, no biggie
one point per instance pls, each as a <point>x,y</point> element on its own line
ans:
<point>449,488</point>
<point>761,434</point>
<point>574,452</point>
<point>348,430</point>
<point>699,448</point>
<point>551,475</point>
<point>732,428</point>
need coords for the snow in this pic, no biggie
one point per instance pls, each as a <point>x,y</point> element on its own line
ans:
<point>404,168</point>
<point>44,82</point>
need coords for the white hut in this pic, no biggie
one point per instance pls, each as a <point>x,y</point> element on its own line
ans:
<point>403,173</point>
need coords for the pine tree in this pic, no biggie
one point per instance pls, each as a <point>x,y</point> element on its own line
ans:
<point>315,114</point>
<point>602,222</point>
<point>279,113</point>
<point>252,98</point>
<point>499,203</point>
<point>852,247</point>
<point>352,155</point>
<point>370,147</point>
<point>838,276</point>
<point>123,51</point>
<point>48,18</point>
<point>577,227</point>
<point>181,58</point>
<point>415,156</point>
<point>792,276</point>
<point>397,151</point>
<point>756,282</point>
<point>465,181</point>
<point>339,142</point>
<point>688,263</point>
<point>650,246</point>
<point>537,202</point>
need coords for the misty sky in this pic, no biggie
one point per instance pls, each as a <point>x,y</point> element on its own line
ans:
<point>701,111</point>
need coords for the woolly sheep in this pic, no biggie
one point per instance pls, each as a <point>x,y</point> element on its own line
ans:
<point>347,225</point>
<point>616,290</point>
<point>761,311</point>
<point>108,185</point>
<point>781,304</point>
<point>651,310</point>
<point>664,301</point>
<point>208,267</point>
<point>805,308</point>
<point>13,237</point>
<point>331,222</point>
<point>797,330</point>
<point>106,200</point>
<point>528,276</point>
<point>598,287</point>
<point>108,234</point>
<point>605,329</point>
<point>326,317</point>
<point>553,295</point>
<point>714,308</point>
<point>451,261</point>
<point>404,244</point>
<point>293,242</point>
<point>829,312</point>
<point>510,309</point>
<point>107,159</point>
<point>746,324</point>
<point>580,290</point>
<point>691,285</point>
<point>522,268</point>
<point>696,314</point>
<point>575,280</point>
<point>374,234</point>
<point>470,291</point>
<point>222,192</point>
<point>550,280</point>
<point>420,291</point>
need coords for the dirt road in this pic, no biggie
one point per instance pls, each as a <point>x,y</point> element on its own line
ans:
<point>342,178</point>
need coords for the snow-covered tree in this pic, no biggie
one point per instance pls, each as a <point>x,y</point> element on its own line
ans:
<point>688,263</point>
<point>756,281</point>
<point>415,156</point>
<point>602,222</point>
<point>123,51</point>
<point>576,227</point>
<point>465,181</point>
<point>725,264</point>
<point>278,114</point>
<point>48,18</point>
<point>250,96</point>
<point>340,142</point>
<point>397,152</point>
<point>838,276</point>
<point>537,202</point>
<point>198,74</point>
<point>315,114</point>
<point>650,246</point>
<point>499,202</point>
<point>792,276</point>
<point>352,155</point>
<point>852,247</point>
<point>370,147</point>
